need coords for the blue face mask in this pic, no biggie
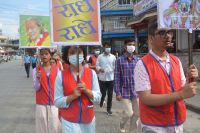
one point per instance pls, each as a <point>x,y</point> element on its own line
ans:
<point>107,50</point>
<point>73,59</point>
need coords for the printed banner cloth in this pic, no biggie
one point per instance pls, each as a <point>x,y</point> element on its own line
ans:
<point>179,14</point>
<point>34,31</point>
<point>75,22</point>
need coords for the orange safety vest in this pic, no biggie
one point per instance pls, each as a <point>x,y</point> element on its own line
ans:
<point>45,95</point>
<point>94,60</point>
<point>58,65</point>
<point>80,110</point>
<point>172,114</point>
<point>65,66</point>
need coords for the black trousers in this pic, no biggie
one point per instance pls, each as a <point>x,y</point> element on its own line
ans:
<point>107,86</point>
<point>27,68</point>
<point>33,65</point>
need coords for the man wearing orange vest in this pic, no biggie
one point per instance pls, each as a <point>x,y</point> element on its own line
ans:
<point>76,90</point>
<point>161,86</point>
<point>93,58</point>
<point>43,81</point>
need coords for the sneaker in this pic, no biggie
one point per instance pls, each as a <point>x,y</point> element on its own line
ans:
<point>104,103</point>
<point>122,129</point>
<point>109,112</point>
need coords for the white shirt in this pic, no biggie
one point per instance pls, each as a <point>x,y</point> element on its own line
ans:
<point>142,83</point>
<point>107,63</point>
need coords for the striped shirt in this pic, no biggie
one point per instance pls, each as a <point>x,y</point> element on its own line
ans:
<point>124,76</point>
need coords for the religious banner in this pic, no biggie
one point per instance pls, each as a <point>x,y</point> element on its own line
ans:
<point>75,22</point>
<point>34,31</point>
<point>179,14</point>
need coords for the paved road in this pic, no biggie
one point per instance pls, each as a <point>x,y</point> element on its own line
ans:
<point>17,105</point>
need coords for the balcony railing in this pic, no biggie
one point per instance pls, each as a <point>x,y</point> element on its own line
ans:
<point>115,26</point>
<point>114,5</point>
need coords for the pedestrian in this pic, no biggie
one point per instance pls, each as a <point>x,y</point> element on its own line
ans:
<point>124,87</point>
<point>93,58</point>
<point>105,66</point>
<point>34,61</point>
<point>44,76</point>
<point>27,61</point>
<point>53,61</point>
<point>161,85</point>
<point>76,90</point>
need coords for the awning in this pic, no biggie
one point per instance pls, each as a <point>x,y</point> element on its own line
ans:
<point>142,19</point>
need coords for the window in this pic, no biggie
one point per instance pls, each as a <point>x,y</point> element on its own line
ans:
<point>124,2</point>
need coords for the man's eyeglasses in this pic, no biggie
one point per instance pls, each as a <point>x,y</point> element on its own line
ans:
<point>164,33</point>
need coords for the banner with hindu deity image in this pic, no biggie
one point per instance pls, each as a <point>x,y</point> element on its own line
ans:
<point>75,22</point>
<point>34,31</point>
<point>179,14</point>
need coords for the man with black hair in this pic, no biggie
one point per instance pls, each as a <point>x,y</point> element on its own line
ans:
<point>161,85</point>
<point>124,86</point>
<point>27,62</point>
<point>44,76</point>
<point>93,58</point>
<point>105,67</point>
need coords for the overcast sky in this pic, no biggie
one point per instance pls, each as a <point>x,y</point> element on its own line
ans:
<point>11,9</point>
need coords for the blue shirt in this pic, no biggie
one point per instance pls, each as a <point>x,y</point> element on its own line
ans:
<point>27,59</point>
<point>34,59</point>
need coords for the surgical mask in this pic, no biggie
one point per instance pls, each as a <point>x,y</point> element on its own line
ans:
<point>73,59</point>
<point>97,52</point>
<point>107,50</point>
<point>130,49</point>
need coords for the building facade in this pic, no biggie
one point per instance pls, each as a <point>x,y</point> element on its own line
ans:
<point>114,16</point>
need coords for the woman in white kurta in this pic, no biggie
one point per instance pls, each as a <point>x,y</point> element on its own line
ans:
<point>63,101</point>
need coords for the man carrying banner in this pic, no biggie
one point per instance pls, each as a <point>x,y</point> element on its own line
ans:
<point>162,86</point>
<point>44,76</point>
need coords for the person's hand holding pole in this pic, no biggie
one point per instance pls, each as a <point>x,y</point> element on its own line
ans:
<point>38,71</point>
<point>189,90</point>
<point>192,73</point>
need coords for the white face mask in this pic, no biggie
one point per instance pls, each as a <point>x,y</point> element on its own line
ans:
<point>73,59</point>
<point>130,49</point>
<point>97,52</point>
<point>107,50</point>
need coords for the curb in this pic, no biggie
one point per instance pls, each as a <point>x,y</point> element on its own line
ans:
<point>193,108</point>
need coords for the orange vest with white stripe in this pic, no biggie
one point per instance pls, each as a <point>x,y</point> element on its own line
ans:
<point>80,110</point>
<point>45,95</point>
<point>161,83</point>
